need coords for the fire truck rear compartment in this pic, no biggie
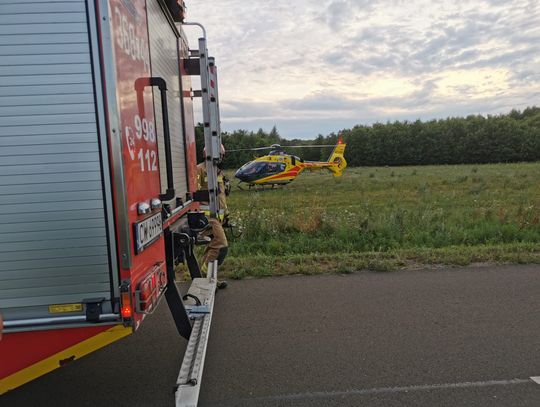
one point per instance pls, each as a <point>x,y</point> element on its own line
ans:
<point>55,207</point>
<point>164,60</point>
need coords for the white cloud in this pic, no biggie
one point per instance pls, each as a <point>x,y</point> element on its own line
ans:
<point>315,67</point>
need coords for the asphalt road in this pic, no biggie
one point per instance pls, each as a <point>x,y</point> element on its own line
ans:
<point>453,337</point>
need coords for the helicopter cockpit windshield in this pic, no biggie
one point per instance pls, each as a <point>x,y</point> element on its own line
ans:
<point>258,169</point>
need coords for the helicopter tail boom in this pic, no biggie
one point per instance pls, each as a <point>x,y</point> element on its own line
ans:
<point>336,162</point>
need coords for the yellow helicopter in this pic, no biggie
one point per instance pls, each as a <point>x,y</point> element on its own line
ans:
<point>280,168</point>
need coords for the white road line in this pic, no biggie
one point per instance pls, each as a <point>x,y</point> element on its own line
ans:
<point>383,390</point>
<point>536,379</point>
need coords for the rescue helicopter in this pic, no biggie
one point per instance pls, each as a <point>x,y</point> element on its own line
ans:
<point>280,168</point>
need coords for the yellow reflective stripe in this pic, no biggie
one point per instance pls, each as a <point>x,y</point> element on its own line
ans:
<point>206,210</point>
<point>79,350</point>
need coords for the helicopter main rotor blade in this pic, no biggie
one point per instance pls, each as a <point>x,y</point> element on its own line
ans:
<point>281,147</point>
<point>250,149</point>
<point>311,146</point>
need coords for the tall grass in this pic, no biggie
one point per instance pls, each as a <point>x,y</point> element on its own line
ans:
<point>387,217</point>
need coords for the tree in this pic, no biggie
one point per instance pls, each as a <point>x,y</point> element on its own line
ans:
<point>455,140</point>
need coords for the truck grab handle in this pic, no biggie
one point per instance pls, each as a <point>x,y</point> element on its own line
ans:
<point>140,84</point>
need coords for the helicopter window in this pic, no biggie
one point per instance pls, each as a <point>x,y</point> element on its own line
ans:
<point>243,167</point>
<point>275,167</point>
<point>255,167</point>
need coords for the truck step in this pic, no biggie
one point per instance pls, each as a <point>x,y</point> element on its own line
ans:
<point>197,298</point>
<point>199,304</point>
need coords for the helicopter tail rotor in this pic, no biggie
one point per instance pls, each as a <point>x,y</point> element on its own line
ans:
<point>337,157</point>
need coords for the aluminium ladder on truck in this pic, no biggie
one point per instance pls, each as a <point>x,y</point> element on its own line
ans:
<point>188,383</point>
<point>201,64</point>
<point>199,301</point>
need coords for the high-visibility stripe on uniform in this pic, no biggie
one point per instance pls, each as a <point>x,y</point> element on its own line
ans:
<point>53,362</point>
<point>206,210</point>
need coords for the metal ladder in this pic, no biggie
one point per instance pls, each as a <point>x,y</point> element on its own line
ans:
<point>201,296</point>
<point>200,64</point>
<point>199,301</point>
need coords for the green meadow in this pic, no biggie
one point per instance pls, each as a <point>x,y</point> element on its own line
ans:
<point>387,218</point>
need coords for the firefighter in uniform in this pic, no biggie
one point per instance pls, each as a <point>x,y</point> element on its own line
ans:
<point>218,246</point>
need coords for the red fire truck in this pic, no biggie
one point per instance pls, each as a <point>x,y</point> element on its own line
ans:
<point>98,179</point>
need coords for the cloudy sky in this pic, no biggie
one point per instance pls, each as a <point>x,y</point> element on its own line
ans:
<point>313,67</point>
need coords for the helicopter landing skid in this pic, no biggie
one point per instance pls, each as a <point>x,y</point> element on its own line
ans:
<point>266,187</point>
<point>260,187</point>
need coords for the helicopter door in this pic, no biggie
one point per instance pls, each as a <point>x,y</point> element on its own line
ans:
<point>293,160</point>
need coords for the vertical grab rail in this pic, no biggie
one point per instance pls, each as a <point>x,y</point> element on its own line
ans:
<point>140,85</point>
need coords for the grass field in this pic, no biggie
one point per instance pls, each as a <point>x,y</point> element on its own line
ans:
<point>387,219</point>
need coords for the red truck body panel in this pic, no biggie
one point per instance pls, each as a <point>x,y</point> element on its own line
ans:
<point>135,177</point>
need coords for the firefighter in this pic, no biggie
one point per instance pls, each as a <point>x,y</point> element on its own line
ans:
<point>218,246</point>
<point>223,184</point>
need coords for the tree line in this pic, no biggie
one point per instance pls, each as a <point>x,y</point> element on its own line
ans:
<point>511,137</point>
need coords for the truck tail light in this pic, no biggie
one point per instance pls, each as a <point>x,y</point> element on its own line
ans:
<point>126,309</point>
<point>146,291</point>
<point>150,289</point>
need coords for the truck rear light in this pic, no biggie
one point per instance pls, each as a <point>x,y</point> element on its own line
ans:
<point>126,312</point>
<point>150,289</point>
<point>146,292</point>
<point>126,309</point>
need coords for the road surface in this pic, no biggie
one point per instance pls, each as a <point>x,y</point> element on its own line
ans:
<point>450,337</point>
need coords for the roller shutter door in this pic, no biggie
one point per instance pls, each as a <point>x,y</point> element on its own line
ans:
<point>53,235</point>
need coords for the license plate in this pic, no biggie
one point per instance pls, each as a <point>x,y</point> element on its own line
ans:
<point>147,232</point>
